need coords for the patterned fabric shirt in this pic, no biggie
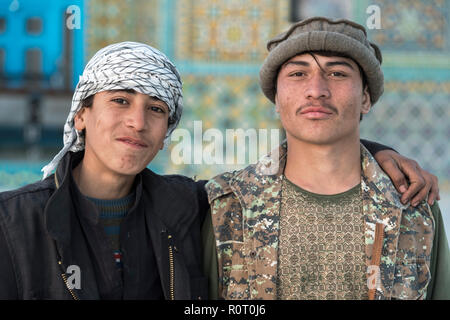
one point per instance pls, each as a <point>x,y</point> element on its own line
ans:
<point>321,250</point>
<point>112,212</point>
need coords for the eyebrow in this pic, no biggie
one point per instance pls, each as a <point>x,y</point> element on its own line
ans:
<point>337,63</point>
<point>328,64</point>
<point>301,63</point>
<point>130,91</point>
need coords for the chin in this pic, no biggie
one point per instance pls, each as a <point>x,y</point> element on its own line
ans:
<point>316,139</point>
<point>132,165</point>
<point>129,170</point>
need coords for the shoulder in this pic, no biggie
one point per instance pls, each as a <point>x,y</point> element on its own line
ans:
<point>184,198</point>
<point>423,214</point>
<point>33,191</point>
<point>175,182</point>
<point>186,184</point>
<point>26,200</point>
<point>220,185</point>
<point>183,188</point>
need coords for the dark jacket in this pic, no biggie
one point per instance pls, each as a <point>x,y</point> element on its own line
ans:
<point>47,226</point>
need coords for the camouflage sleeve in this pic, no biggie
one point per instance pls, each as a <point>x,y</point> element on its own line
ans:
<point>210,257</point>
<point>439,287</point>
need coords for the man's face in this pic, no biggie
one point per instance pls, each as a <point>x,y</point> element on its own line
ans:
<point>124,131</point>
<point>321,101</point>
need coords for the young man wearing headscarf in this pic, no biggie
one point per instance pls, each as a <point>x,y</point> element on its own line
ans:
<point>103,226</point>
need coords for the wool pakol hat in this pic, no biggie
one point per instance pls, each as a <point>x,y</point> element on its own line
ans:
<point>322,34</point>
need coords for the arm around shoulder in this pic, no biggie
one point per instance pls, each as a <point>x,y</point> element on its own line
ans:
<point>374,147</point>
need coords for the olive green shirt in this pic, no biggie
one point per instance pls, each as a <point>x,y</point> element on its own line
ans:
<point>321,252</point>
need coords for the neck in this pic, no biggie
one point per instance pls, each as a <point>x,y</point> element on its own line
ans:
<point>324,169</point>
<point>106,186</point>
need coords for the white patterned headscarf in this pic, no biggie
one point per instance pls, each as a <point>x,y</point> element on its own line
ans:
<point>124,65</point>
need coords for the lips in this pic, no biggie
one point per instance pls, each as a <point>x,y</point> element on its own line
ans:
<point>133,142</point>
<point>315,112</point>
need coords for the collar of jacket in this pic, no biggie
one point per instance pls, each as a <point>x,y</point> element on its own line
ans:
<point>258,188</point>
<point>160,195</point>
<point>58,221</point>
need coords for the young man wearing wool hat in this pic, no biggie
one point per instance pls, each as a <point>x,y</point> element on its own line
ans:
<point>103,226</point>
<point>326,222</point>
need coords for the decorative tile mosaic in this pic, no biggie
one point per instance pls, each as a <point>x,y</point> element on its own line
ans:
<point>413,25</point>
<point>227,31</point>
<point>111,21</point>
<point>228,102</point>
<point>414,118</point>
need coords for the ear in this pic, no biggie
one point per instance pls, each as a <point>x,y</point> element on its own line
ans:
<point>366,103</point>
<point>277,107</point>
<point>79,120</point>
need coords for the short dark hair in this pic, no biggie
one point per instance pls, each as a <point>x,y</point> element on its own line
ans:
<point>87,102</point>
<point>342,55</point>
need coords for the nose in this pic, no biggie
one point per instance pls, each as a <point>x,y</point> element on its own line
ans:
<point>317,87</point>
<point>136,117</point>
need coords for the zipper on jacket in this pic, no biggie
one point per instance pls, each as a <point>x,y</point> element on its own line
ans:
<point>171,269</point>
<point>64,277</point>
<point>63,273</point>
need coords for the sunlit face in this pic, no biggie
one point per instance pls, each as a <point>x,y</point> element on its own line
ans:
<point>124,131</point>
<point>320,101</point>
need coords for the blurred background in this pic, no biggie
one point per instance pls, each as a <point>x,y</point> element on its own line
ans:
<point>218,47</point>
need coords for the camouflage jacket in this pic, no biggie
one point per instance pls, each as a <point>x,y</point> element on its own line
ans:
<point>245,209</point>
